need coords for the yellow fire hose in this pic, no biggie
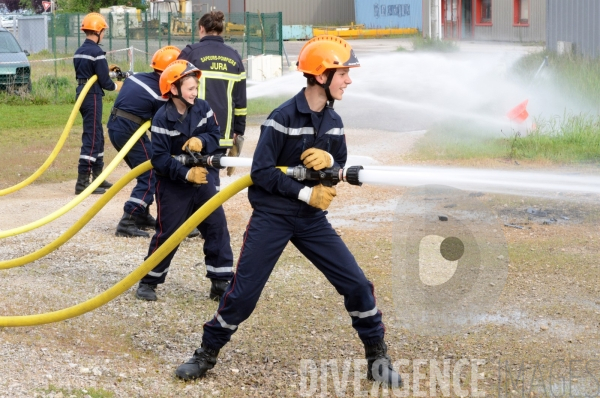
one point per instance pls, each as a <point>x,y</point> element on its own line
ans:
<point>59,144</point>
<point>79,198</point>
<point>137,274</point>
<point>100,203</point>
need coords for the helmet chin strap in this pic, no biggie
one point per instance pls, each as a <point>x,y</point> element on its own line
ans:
<point>98,35</point>
<point>325,85</point>
<point>180,96</point>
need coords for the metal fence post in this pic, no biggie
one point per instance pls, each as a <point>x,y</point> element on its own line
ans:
<point>110,30</point>
<point>126,29</point>
<point>193,28</point>
<point>53,33</point>
<point>66,27</point>
<point>78,31</point>
<point>169,16</point>
<point>159,33</point>
<point>146,33</point>
<point>280,36</point>
<point>247,35</point>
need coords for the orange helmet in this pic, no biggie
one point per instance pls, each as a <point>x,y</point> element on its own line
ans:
<point>93,21</point>
<point>163,57</point>
<point>326,52</point>
<point>175,71</point>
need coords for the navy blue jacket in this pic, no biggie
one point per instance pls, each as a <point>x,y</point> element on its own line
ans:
<point>90,60</point>
<point>169,133</point>
<point>288,131</point>
<point>223,83</point>
<point>140,96</point>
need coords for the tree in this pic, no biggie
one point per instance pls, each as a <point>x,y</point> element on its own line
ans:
<point>12,5</point>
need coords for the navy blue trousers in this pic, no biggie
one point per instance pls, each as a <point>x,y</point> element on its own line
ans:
<point>142,194</point>
<point>215,233</point>
<point>265,239</point>
<point>175,203</point>
<point>91,155</point>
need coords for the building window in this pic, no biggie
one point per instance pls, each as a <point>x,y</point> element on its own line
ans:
<point>484,12</point>
<point>521,12</point>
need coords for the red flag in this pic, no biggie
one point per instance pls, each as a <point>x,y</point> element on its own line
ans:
<point>519,113</point>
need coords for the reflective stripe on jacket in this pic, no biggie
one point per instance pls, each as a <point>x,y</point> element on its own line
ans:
<point>288,131</point>
<point>90,60</point>
<point>223,83</point>
<point>169,133</point>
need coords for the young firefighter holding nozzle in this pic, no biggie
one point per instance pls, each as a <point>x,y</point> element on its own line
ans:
<point>184,123</point>
<point>304,130</point>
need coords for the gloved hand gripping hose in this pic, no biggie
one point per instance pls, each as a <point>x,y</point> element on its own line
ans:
<point>327,177</point>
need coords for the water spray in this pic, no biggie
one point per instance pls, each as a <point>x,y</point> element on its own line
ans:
<point>484,180</point>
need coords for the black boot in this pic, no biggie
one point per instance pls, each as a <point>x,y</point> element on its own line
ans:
<point>105,184</point>
<point>145,221</point>
<point>83,181</point>
<point>217,289</point>
<point>146,292</point>
<point>379,365</point>
<point>203,360</point>
<point>127,227</point>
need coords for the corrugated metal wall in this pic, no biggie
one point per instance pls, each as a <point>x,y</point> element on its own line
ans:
<point>307,12</point>
<point>502,20</point>
<point>502,28</point>
<point>389,13</point>
<point>575,21</point>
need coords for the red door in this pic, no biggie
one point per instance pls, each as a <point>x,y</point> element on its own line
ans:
<point>451,19</point>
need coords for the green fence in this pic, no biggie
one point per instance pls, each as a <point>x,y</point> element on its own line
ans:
<point>264,34</point>
<point>132,39</point>
<point>145,32</point>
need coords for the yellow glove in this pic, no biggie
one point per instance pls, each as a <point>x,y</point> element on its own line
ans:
<point>197,175</point>
<point>321,196</point>
<point>119,85</point>
<point>114,68</point>
<point>316,159</point>
<point>193,144</point>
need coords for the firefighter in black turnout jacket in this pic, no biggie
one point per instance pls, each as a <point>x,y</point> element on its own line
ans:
<point>90,60</point>
<point>223,86</point>
<point>138,101</point>
<point>184,123</point>
<point>304,130</point>
<point>223,82</point>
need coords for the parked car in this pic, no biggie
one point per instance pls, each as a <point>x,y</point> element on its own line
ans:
<point>9,21</point>
<point>15,70</point>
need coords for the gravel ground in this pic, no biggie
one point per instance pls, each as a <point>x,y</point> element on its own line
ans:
<point>129,347</point>
<point>544,328</point>
<point>541,339</point>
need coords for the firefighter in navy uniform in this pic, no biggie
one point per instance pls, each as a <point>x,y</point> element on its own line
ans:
<point>304,130</point>
<point>90,60</point>
<point>223,86</point>
<point>138,101</point>
<point>184,123</point>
